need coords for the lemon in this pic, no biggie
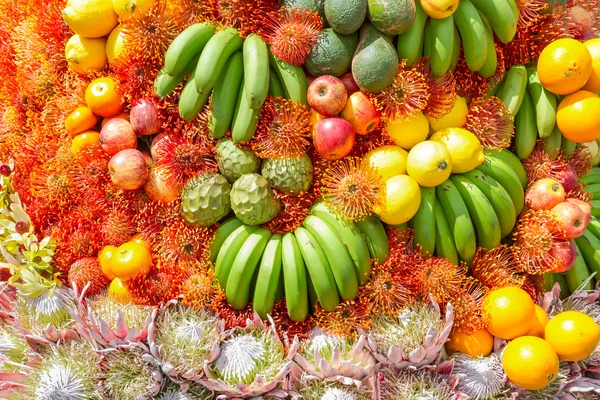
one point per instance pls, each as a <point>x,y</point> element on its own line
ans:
<point>85,54</point>
<point>407,134</point>
<point>400,200</point>
<point>115,44</point>
<point>464,147</point>
<point>387,160</point>
<point>132,8</point>
<point>429,163</point>
<point>455,119</point>
<point>90,18</point>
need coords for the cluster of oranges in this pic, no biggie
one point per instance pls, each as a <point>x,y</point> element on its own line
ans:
<point>569,68</point>
<point>536,342</point>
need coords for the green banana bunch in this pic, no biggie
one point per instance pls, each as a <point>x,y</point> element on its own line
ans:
<point>473,34</point>
<point>189,43</point>
<point>438,44</point>
<point>410,43</point>
<point>513,88</point>
<point>225,96</point>
<point>501,17</point>
<point>374,234</point>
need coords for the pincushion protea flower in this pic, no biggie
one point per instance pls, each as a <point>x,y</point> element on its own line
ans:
<point>251,363</point>
<point>412,339</point>
<point>183,340</point>
<point>481,377</point>
<point>332,357</point>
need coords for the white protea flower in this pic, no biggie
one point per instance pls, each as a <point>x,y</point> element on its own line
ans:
<point>327,356</point>
<point>14,349</point>
<point>193,392</point>
<point>251,363</point>
<point>184,340</point>
<point>52,307</point>
<point>412,339</point>
<point>331,390</point>
<point>481,377</point>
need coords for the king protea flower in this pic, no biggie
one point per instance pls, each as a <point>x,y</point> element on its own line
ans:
<point>412,339</point>
<point>331,390</point>
<point>194,391</point>
<point>481,377</point>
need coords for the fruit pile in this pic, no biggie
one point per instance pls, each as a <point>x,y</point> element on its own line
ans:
<point>318,199</point>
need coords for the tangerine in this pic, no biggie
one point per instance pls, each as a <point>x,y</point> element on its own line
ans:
<point>564,66</point>
<point>508,312</point>
<point>138,238</point>
<point>80,120</point>
<point>530,362</point>
<point>102,97</point>
<point>89,140</point>
<point>573,335</point>
<point>119,292</point>
<point>539,323</point>
<point>578,116</point>
<point>131,259</point>
<point>104,260</point>
<point>478,344</point>
<point>593,83</point>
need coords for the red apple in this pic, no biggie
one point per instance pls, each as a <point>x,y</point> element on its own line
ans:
<point>148,158</point>
<point>327,95</point>
<point>128,169</point>
<point>333,138</point>
<point>124,115</point>
<point>581,22</point>
<point>564,253</point>
<point>155,143</point>
<point>572,219</point>
<point>544,194</point>
<point>567,177</point>
<point>117,135</point>
<point>585,207</point>
<point>158,190</point>
<point>309,78</point>
<point>361,113</point>
<point>349,83</point>
<point>144,118</point>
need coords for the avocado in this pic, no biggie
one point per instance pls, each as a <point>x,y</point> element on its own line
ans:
<point>313,5</point>
<point>332,55</point>
<point>345,16</point>
<point>392,17</point>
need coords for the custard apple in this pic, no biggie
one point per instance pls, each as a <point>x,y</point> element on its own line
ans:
<point>289,175</point>
<point>205,199</point>
<point>234,162</point>
<point>253,200</point>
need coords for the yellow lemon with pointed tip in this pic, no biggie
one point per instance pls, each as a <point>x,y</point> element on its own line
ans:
<point>455,119</point>
<point>464,148</point>
<point>387,160</point>
<point>407,133</point>
<point>132,8</point>
<point>85,54</point>
<point>115,44</point>
<point>90,18</point>
<point>399,200</point>
<point>429,163</point>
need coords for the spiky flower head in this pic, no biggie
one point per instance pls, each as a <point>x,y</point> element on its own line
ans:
<point>427,383</point>
<point>50,307</point>
<point>480,378</point>
<point>344,320</point>
<point>496,268</point>
<point>331,390</point>
<point>87,271</point>
<point>389,290</point>
<point>172,391</point>
<point>201,289</point>
<point>184,340</point>
<point>467,306</point>
<point>351,188</point>
<point>13,349</point>
<point>439,277</point>
<point>491,121</point>
<point>414,338</point>
<point>442,89</point>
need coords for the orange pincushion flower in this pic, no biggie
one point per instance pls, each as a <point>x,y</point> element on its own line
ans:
<point>201,289</point>
<point>232,318</point>
<point>442,279</point>
<point>388,291</point>
<point>294,209</point>
<point>344,319</point>
<point>491,121</point>
<point>581,160</point>
<point>283,129</point>
<point>152,217</point>
<point>87,270</point>
<point>288,329</point>
<point>471,84</point>
<point>246,15</point>
<point>530,11</point>
<point>467,306</point>
<point>181,242</point>
<point>137,76</point>
<point>292,33</point>
<point>442,89</point>
<point>350,188</point>
<point>541,165</point>
<point>496,268</point>
<point>117,226</point>
<point>365,143</point>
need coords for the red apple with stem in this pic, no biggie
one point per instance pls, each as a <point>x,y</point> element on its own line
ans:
<point>585,207</point>
<point>144,118</point>
<point>117,135</point>
<point>564,253</point>
<point>333,138</point>
<point>128,169</point>
<point>361,113</point>
<point>544,194</point>
<point>327,95</point>
<point>572,219</point>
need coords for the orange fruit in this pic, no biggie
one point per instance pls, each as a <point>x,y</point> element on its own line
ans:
<point>530,362</point>
<point>102,98</point>
<point>82,119</point>
<point>508,312</point>
<point>129,260</point>
<point>593,83</point>
<point>104,260</point>
<point>564,66</point>
<point>573,335</point>
<point>539,322</point>
<point>118,291</point>
<point>578,116</point>
<point>479,343</point>
<point>89,140</point>
<point>140,239</point>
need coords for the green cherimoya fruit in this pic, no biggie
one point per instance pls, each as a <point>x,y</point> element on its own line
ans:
<point>205,199</point>
<point>392,17</point>
<point>289,175</point>
<point>253,200</point>
<point>234,162</point>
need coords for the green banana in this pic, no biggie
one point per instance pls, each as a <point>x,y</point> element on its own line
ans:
<point>455,49</point>
<point>319,270</point>
<point>459,221</point>
<point>472,33</point>
<point>512,160</point>
<point>275,86</point>
<point>223,232</point>
<point>444,239</point>
<point>191,102</point>
<point>225,95</point>
<point>553,143</point>
<point>594,226</point>
<point>592,177</point>
<point>312,294</point>
<point>525,128</point>
<point>292,78</point>
<point>590,249</point>
<point>375,236</point>
<point>229,250</point>
<point>214,56</point>
<point>245,119</point>
<point>294,279</point>
<point>338,257</point>
<point>596,208</point>
<point>549,281</point>
<point>594,189</point>
<point>424,221</point>
<point>410,43</point>
<point>269,275</point>
<point>351,237</point>
<point>482,213</point>
<point>491,60</point>
<point>501,17</point>
<point>243,268</point>
<point>189,43</point>
<point>567,146</point>
<point>544,103</point>
<point>514,88</point>
<point>165,84</point>
<point>506,176</point>
<point>579,273</point>
<point>439,44</point>
<point>256,65</point>
<point>498,197</point>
